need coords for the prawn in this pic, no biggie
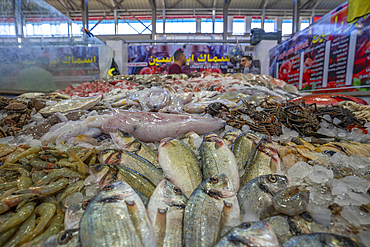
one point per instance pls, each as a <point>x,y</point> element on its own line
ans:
<point>19,217</point>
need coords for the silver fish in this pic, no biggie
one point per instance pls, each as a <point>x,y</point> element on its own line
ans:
<point>257,234</point>
<point>256,196</point>
<point>188,139</point>
<point>230,136</point>
<point>243,147</point>
<point>180,165</point>
<point>67,238</point>
<point>132,161</point>
<point>217,158</point>
<point>264,160</point>
<point>322,239</point>
<point>166,211</point>
<point>210,212</point>
<point>128,142</point>
<point>81,103</point>
<point>116,217</point>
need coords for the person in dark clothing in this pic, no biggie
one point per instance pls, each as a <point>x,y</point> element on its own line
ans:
<point>180,60</point>
<point>247,67</point>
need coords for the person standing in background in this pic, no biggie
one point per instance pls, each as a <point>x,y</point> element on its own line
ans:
<point>180,60</point>
<point>247,67</point>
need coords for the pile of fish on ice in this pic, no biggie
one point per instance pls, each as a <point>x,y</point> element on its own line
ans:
<point>150,166</point>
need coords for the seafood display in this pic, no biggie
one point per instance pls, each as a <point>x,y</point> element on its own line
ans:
<point>211,160</point>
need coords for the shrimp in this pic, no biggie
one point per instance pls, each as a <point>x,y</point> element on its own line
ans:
<point>19,217</point>
<point>81,167</point>
<point>13,200</point>
<point>8,185</point>
<point>55,227</point>
<point>59,173</point>
<point>46,189</point>
<point>39,163</point>
<point>25,154</point>
<point>46,211</point>
<point>24,183</point>
<point>23,233</point>
<point>291,201</point>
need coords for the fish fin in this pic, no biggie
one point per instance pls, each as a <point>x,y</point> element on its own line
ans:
<point>136,220</point>
<point>161,225</point>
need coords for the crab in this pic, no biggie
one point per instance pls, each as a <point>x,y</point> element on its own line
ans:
<point>13,131</point>
<point>16,108</point>
<point>216,108</point>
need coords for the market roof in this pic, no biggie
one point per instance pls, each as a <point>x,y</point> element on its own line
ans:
<point>197,7</point>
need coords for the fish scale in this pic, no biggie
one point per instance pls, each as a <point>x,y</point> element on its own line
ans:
<point>118,214</point>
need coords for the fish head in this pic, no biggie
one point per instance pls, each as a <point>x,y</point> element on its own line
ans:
<point>109,156</point>
<point>168,142</point>
<point>171,194</point>
<point>214,139</point>
<point>99,171</point>
<point>125,140</point>
<point>273,183</point>
<point>258,233</point>
<point>64,238</point>
<point>218,186</point>
<point>114,192</point>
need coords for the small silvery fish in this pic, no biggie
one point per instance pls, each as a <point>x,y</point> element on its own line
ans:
<point>166,212</point>
<point>264,160</point>
<point>132,161</point>
<point>257,234</point>
<point>67,238</point>
<point>322,240</point>
<point>210,212</point>
<point>243,148</point>
<point>217,158</point>
<point>256,196</point>
<point>180,165</point>
<point>230,136</point>
<point>128,142</point>
<point>116,217</point>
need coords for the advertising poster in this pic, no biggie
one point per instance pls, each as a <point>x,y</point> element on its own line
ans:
<point>67,65</point>
<point>329,56</point>
<point>155,59</point>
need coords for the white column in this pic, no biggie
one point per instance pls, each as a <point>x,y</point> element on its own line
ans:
<point>230,24</point>
<point>248,24</point>
<point>279,24</point>
<point>198,22</point>
<point>262,54</point>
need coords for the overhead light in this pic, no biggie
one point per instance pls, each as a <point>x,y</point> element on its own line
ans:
<point>19,40</point>
<point>89,45</point>
<point>19,46</point>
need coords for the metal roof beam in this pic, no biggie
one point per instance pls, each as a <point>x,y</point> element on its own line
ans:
<point>106,5</point>
<point>75,4</point>
<point>308,4</point>
<point>106,14</point>
<point>175,4</point>
<point>204,6</point>
<point>64,5</point>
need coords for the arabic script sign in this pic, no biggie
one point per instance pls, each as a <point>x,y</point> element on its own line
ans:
<point>156,59</point>
<point>331,55</point>
<point>67,65</point>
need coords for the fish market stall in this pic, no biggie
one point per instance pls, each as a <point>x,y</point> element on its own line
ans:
<point>184,160</point>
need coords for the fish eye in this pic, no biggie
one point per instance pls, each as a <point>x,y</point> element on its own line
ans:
<point>214,180</point>
<point>177,191</point>
<point>246,225</point>
<point>307,217</point>
<point>64,237</point>
<point>108,187</point>
<point>85,204</point>
<point>98,168</point>
<point>272,178</point>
